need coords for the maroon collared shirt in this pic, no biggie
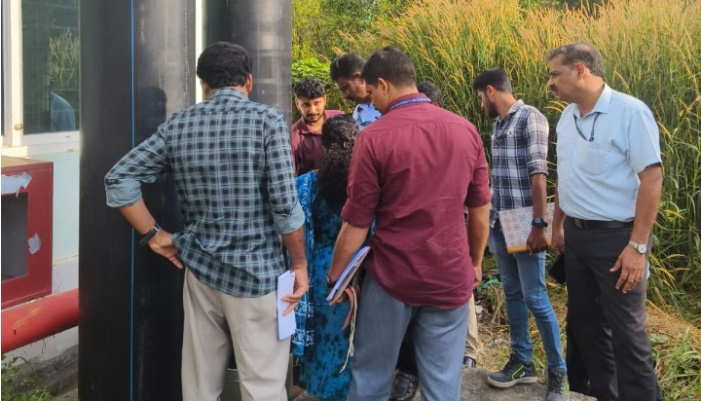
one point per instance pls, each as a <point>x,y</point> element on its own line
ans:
<point>306,144</point>
<point>412,171</point>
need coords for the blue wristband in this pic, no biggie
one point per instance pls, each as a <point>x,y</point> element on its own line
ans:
<point>150,234</point>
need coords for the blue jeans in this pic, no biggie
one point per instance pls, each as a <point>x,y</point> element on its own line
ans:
<point>523,280</point>
<point>439,343</point>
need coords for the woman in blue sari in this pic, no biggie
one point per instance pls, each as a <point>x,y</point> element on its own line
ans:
<point>320,341</point>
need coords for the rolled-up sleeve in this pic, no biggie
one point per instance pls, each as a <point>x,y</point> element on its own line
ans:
<point>537,130</point>
<point>144,163</point>
<point>285,208</point>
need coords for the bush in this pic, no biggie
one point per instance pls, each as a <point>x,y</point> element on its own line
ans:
<point>17,386</point>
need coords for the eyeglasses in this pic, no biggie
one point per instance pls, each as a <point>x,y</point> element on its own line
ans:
<point>579,131</point>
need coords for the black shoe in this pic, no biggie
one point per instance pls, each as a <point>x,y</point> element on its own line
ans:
<point>468,362</point>
<point>404,387</point>
<point>558,388</point>
<point>514,372</point>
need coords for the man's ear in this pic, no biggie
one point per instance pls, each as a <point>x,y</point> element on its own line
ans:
<point>490,91</point>
<point>382,85</point>
<point>249,83</point>
<point>356,75</point>
<point>581,69</point>
<point>206,90</point>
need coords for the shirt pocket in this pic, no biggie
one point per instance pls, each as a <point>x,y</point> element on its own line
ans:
<point>592,158</point>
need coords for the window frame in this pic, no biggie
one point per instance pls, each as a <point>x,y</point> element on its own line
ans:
<point>14,141</point>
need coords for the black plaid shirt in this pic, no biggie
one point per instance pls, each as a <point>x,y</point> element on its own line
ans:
<point>519,150</point>
<point>232,165</point>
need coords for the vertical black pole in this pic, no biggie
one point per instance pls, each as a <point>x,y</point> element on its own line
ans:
<point>264,28</point>
<point>137,67</point>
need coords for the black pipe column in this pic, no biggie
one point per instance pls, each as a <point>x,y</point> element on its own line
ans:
<point>264,28</point>
<point>137,68</point>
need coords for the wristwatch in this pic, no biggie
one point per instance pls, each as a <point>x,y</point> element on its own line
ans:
<point>149,235</point>
<point>641,248</point>
<point>540,223</point>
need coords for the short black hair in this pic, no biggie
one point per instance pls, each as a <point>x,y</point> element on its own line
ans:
<point>311,88</point>
<point>580,52</point>
<point>224,64</point>
<point>430,89</point>
<point>496,77</point>
<point>346,65</point>
<point>390,64</point>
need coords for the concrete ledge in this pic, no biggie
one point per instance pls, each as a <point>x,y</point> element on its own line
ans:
<point>475,387</point>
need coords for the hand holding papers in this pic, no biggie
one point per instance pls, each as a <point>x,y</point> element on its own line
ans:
<point>516,225</point>
<point>286,324</point>
<point>348,274</point>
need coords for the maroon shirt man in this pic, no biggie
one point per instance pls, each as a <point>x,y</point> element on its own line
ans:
<point>412,172</point>
<point>306,143</point>
<point>305,135</point>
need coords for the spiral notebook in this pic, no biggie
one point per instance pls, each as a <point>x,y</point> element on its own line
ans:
<point>348,274</point>
<point>516,225</point>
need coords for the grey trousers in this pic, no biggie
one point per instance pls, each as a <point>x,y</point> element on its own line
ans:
<point>608,325</point>
<point>439,341</point>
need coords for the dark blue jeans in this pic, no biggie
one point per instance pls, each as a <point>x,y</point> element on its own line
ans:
<point>523,278</point>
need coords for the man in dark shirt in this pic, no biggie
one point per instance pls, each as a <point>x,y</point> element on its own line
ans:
<point>412,172</point>
<point>305,136</point>
<point>230,158</point>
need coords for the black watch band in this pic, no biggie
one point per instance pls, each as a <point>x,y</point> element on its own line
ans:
<point>539,223</point>
<point>150,234</point>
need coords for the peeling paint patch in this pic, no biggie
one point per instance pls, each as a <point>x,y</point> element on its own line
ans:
<point>34,244</point>
<point>12,184</point>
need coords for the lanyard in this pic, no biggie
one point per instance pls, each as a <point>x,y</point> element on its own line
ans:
<point>579,131</point>
<point>410,101</point>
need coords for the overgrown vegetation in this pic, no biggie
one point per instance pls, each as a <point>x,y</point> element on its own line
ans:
<point>18,386</point>
<point>651,50</point>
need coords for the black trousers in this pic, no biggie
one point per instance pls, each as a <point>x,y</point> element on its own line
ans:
<point>607,325</point>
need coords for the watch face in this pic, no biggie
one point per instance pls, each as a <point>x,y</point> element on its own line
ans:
<point>642,248</point>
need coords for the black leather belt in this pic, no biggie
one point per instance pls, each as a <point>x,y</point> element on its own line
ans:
<point>600,225</point>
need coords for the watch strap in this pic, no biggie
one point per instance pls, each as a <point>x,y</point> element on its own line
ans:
<point>149,235</point>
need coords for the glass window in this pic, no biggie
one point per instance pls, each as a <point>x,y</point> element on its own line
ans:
<point>50,58</point>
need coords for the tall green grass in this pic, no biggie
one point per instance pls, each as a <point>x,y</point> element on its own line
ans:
<point>651,50</point>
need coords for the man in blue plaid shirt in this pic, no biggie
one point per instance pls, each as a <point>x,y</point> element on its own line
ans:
<point>519,168</point>
<point>232,165</point>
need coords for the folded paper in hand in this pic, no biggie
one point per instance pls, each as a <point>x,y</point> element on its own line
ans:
<point>516,226</point>
<point>286,325</point>
<point>348,274</point>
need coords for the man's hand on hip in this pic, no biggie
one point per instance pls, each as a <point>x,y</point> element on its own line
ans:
<point>162,244</point>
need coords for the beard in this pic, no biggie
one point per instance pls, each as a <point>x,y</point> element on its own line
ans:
<point>492,112</point>
<point>312,118</point>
